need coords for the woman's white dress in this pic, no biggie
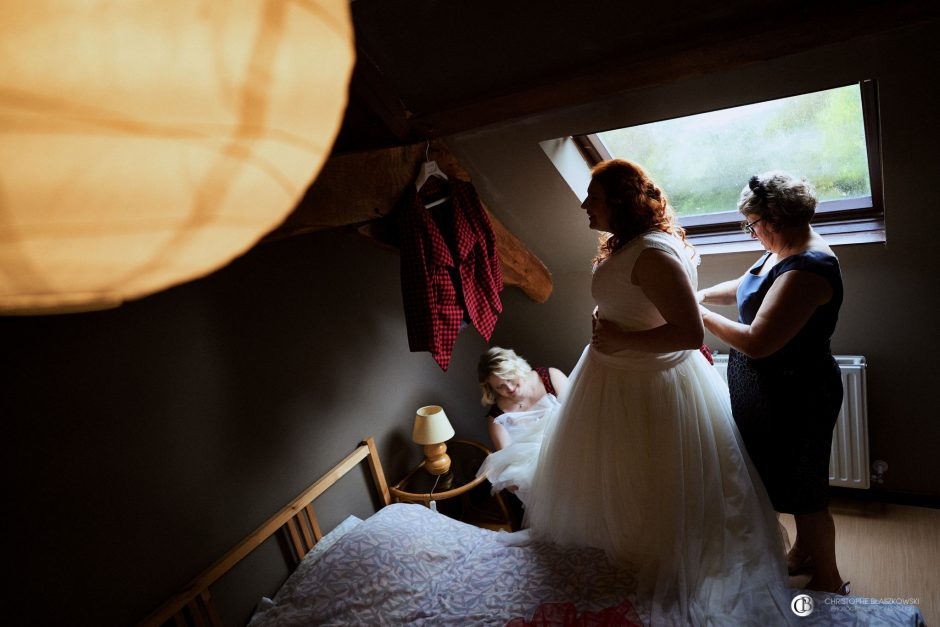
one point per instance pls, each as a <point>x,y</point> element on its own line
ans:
<point>514,465</point>
<point>643,460</point>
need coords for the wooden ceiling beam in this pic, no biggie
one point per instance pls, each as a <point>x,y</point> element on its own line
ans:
<point>370,87</point>
<point>361,190</point>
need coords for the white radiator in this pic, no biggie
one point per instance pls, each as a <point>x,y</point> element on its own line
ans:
<point>848,460</point>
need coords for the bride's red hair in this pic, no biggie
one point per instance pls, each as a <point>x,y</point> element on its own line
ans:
<point>636,204</point>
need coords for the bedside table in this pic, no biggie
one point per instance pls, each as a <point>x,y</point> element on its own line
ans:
<point>459,493</point>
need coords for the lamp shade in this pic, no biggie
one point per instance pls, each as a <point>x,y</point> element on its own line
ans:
<point>431,426</point>
<point>144,144</point>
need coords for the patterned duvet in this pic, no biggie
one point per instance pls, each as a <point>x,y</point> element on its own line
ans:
<point>409,565</point>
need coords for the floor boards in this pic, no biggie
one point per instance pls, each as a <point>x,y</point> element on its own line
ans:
<point>886,551</point>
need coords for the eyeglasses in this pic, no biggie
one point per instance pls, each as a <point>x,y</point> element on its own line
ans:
<point>748,227</point>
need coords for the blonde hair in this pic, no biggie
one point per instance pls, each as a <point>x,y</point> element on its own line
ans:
<point>505,364</point>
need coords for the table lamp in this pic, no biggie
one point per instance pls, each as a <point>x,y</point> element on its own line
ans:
<point>431,430</point>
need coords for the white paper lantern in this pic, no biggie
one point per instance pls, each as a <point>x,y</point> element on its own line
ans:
<point>148,143</point>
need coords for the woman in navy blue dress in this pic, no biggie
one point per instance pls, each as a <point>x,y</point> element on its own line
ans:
<point>786,390</point>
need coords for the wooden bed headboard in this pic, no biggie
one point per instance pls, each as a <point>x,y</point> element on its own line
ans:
<point>193,604</point>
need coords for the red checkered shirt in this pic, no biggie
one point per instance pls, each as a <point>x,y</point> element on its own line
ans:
<point>449,267</point>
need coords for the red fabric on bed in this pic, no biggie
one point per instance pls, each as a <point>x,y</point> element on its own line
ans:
<point>566,615</point>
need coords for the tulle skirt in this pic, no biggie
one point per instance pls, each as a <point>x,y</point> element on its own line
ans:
<point>643,460</point>
<point>514,467</point>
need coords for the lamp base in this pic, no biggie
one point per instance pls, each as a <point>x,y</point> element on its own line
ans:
<point>437,461</point>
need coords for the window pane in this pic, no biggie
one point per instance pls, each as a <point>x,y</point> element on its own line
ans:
<point>702,161</point>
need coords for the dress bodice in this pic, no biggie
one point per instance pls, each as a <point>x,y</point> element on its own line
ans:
<point>625,304</point>
<point>618,299</point>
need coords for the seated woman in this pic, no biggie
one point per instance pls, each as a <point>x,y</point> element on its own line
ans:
<point>518,397</point>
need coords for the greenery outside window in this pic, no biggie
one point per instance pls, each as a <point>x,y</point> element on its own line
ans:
<point>702,161</point>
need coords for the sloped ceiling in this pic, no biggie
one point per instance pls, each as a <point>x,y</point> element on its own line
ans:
<point>431,68</point>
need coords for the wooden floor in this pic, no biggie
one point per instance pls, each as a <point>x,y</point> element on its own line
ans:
<point>886,551</point>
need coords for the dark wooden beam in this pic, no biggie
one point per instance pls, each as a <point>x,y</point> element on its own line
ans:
<point>362,190</point>
<point>372,89</point>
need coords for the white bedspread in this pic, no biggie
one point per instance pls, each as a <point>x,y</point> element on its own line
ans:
<point>409,565</point>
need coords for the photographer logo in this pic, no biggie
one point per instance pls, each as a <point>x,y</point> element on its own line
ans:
<point>802,605</point>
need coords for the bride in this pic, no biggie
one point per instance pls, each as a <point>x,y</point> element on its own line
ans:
<point>643,459</point>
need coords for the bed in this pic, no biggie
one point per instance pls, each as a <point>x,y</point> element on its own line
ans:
<point>407,564</point>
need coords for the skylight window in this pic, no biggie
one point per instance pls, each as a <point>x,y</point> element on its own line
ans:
<point>702,161</point>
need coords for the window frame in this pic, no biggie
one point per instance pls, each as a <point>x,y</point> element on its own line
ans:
<point>853,220</point>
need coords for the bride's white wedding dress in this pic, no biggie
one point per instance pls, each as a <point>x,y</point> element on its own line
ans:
<point>643,460</point>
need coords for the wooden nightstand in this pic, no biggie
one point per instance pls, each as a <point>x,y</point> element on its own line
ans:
<point>473,503</point>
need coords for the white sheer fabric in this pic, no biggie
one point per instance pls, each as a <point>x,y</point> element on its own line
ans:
<point>643,460</point>
<point>514,465</point>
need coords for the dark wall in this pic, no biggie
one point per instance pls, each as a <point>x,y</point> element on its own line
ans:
<point>148,439</point>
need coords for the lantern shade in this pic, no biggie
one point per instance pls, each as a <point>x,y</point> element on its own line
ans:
<point>147,144</point>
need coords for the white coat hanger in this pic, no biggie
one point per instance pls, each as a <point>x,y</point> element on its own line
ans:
<point>428,169</point>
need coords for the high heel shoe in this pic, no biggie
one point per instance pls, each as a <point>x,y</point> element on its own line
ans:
<point>845,589</point>
<point>804,565</point>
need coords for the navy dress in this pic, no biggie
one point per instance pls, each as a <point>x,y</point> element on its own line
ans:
<point>786,405</point>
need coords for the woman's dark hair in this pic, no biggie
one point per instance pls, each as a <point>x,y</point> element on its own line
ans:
<point>636,204</point>
<point>779,198</point>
